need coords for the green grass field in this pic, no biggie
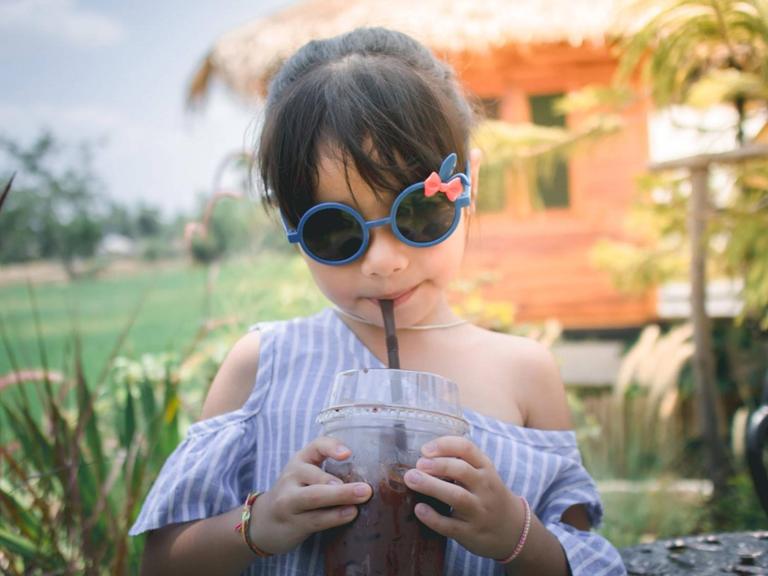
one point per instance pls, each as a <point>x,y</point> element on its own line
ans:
<point>167,305</point>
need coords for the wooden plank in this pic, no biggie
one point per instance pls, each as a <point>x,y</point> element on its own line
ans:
<point>743,154</point>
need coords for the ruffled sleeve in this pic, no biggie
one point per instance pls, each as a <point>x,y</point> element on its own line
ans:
<point>206,475</point>
<point>212,470</point>
<point>588,553</point>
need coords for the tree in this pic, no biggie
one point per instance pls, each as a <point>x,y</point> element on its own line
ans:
<point>149,222</point>
<point>119,220</point>
<point>705,53</point>
<point>55,211</point>
<point>700,52</point>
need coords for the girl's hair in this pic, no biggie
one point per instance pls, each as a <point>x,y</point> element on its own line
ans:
<point>377,98</point>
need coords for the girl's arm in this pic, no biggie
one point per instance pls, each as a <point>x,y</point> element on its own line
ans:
<point>304,499</point>
<point>487,518</point>
<point>210,546</point>
<point>547,409</point>
<point>543,554</point>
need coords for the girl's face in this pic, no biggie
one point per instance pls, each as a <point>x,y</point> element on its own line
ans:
<point>414,278</point>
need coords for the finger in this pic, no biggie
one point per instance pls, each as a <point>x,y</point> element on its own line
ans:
<point>322,448</point>
<point>317,520</point>
<point>450,527</point>
<point>456,447</point>
<point>450,468</point>
<point>309,474</point>
<point>457,497</point>
<point>326,496</point>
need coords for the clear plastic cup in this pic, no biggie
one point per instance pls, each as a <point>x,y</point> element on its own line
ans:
<point>385,416</point>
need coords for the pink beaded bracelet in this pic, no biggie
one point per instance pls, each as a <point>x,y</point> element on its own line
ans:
<point>523,534</point>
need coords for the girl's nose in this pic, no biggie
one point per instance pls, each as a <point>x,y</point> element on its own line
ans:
<point>386,254</point>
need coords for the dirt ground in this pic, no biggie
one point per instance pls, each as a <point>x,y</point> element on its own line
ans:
<point>50,272</point>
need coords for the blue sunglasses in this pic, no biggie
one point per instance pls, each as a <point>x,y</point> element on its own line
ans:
<point>422,215</point>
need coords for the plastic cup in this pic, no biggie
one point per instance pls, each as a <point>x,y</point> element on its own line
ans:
<point>385,416</point>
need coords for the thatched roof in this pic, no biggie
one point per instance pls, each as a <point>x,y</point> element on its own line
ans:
<point>245,58</point>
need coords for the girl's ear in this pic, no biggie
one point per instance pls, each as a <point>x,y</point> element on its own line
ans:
<point>475,158</point>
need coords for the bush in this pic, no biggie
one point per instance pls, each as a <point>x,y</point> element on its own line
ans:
<point>79,465</point>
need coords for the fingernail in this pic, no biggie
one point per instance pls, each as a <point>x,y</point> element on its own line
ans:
<point>361,490</point>
<point>426,464</point>
<point>414,476</point>
<point>429,448</point>
<point>348,511</point>
<point>335,481</point>
<point>341,450</point>
<point>421,509</point>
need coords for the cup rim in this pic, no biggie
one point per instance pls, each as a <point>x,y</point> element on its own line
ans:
<point>339,411</point>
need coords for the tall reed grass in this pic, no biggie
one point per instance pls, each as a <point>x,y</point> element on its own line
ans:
<point>79,461</point>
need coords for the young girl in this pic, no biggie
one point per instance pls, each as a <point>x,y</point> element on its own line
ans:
<point>364,153</point>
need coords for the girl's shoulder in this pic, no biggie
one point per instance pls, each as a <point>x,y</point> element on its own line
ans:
<point>528,369</point>
<point>235,378</point>
<point>524,357</point>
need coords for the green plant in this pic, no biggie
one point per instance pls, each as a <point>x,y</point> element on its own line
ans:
<point>740,508</point>
<point>700,52</point>
<point>56,212</point>
<point>79,463</point>
<point>645,515</point>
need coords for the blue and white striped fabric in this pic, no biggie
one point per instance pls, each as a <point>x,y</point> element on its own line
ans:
<point>225,457</point>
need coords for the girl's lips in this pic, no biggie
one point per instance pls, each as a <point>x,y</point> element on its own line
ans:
<point>397,299</point>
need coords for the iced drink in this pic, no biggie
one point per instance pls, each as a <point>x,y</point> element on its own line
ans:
<point>385,416</point>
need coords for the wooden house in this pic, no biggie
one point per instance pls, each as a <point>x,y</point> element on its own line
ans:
<point>517,58</point>
<point>541,252</point>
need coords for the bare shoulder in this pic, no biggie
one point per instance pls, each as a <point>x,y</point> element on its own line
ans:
<point>535,377</point>
<point>234,380</point>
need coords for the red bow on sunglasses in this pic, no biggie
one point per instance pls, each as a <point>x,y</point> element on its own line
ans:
<point>434,184</point>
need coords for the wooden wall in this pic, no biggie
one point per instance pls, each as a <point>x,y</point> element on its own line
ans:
<point>541,257</point>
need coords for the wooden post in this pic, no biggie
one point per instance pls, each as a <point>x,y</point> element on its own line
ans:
<point>718,460</point>
<point>703,356</point>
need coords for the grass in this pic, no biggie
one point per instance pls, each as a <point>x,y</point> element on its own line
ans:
<point>631,519</point>
<point>166,304</point>
<point>169,304</point>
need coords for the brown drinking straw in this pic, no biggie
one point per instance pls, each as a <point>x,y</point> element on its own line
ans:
<point>393,358</point>
<point>388,313</point>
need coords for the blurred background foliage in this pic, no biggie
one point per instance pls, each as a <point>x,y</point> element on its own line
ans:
<point>701,54</point>
<point>101,374</point>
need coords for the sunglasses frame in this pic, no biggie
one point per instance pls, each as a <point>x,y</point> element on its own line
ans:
<point>446,168</point>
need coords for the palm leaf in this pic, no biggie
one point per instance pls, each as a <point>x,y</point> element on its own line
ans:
<point>128,416</point>
<point>720,86</point>
<point>20,516</point>
<point>36,446</point>
<point>6,191</point>
<point>18,545</point>
<point>87,419</point>
<point>684,40</point>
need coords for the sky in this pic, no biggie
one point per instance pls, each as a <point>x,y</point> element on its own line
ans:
<point>115,73</point>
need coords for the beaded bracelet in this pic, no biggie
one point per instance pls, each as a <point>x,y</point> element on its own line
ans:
<point>523,534</point>
<point>244,526</point>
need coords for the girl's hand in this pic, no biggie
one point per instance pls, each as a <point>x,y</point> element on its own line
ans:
<point>487,518</point>
<point>305,499</point>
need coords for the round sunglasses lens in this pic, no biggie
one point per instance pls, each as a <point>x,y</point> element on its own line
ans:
<point>423,220</point>
<point>332,234</point>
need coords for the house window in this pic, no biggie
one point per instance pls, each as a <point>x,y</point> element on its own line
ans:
<point>552,187</point>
